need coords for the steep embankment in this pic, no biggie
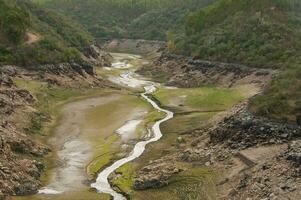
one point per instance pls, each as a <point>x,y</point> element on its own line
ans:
<point>256,33</point>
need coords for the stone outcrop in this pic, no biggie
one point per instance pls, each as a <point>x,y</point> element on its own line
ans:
<point>156,174</point>
<point>67,69</point>
<point>243,130</point>
<point>67,75</point>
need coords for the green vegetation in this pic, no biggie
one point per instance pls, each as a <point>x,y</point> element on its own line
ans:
<point>107,150</point>
<point>144,19</point>
<point>13,23</point>
<point>125,183</point>
<point>203,98</point>
<point>60,39</point>
<point>195,183</point>
<point>257,33</point>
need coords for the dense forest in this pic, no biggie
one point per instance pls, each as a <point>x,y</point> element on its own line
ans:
<point>143,19</point>
<point>60,38</point>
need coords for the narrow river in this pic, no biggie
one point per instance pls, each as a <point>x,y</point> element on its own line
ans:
<point>130,79</point>
<point>102,184</point>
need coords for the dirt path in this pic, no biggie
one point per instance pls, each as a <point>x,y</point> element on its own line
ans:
<point>32,38</point>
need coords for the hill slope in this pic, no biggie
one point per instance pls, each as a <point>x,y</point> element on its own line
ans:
<point>143,19</point>
<point>60,39</point>
<point>263,33</point>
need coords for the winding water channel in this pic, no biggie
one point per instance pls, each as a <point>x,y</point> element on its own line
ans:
<point>130,79</point>
<point>102,184</point>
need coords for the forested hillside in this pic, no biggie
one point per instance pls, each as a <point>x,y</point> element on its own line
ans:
<point>263,33</point>
<point>57,38</point>
<point>143,19</point>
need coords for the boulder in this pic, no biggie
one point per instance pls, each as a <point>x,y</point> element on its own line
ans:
<point>5,80</point>
<point>26,188</point>
<point>9,70</point>
<point>156,175</point>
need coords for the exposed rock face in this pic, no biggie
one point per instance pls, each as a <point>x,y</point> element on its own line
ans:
<point>19,169</point>
<point>98,57</point>
<point>184,71</point>
<point>68,74</point>
<point>5,80</point>
<point>243,130</point>
<point>156,174</point>
<point>67,69</point>
<point>18,175</point>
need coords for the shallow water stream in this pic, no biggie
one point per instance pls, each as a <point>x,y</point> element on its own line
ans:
<point>102,184</point>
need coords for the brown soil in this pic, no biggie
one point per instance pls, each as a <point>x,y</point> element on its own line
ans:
<point>32,38</point>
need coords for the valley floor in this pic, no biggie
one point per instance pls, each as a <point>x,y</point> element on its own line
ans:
<point>213,148</point>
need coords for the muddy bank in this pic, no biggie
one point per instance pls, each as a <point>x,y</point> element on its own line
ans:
<point>74,152</point>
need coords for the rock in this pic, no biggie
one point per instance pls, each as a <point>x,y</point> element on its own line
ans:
<point>5,80</point>
<point>294,152</point>
<point>156,174</point>
<point>68,69</point>
<point>78,68</point>
<point>192,155</point>
<point>299,120</point>
<point>180,140</point>
<point>88,68</point>
<point>9,70</point>
<point>98,57</point>
<point>242,130</point>
<point>26,188</point>
<point>39,165</point>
